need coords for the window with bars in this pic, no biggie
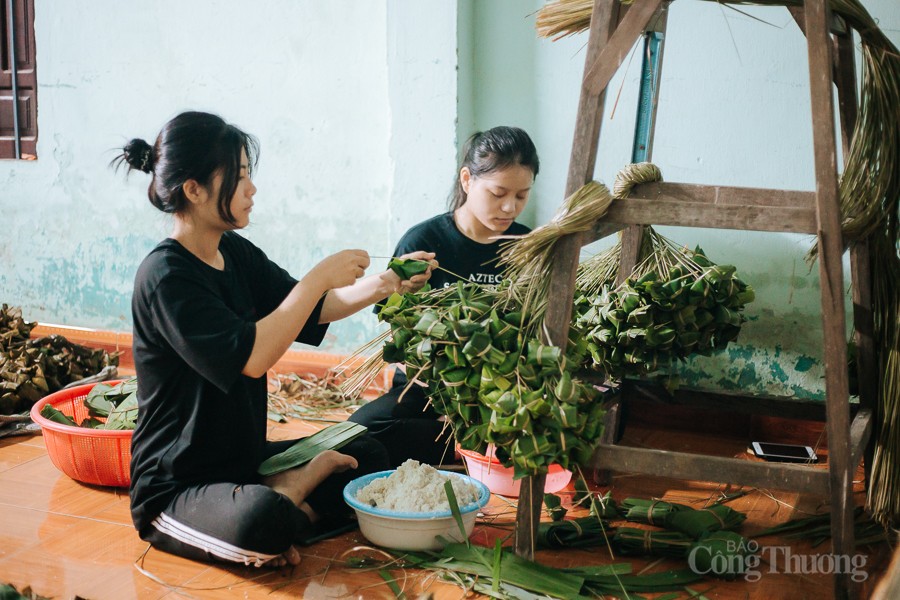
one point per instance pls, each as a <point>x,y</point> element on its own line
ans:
<point>18,80</point>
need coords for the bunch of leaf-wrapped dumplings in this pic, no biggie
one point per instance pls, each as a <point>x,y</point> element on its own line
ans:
<point>495,384</point>
<point>676,303</point>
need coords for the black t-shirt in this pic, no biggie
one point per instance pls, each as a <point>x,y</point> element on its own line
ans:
<point>199,419</point>
<point>455,252</point>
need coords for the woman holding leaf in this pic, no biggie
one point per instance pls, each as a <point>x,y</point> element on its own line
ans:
<point>490,190</point>
<point>212,314</point>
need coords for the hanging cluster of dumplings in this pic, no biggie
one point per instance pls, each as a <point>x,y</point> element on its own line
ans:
<point>494,385</point>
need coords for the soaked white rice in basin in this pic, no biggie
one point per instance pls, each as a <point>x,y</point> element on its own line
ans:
<point>416,487</point>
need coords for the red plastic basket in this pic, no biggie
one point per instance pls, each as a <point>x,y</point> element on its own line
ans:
<point>94,456</point>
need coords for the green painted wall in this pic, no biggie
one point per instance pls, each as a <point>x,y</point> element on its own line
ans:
<point>734,110</point>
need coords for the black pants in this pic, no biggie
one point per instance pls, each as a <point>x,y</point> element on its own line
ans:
<point>408,428</point>
<point>252,523</point>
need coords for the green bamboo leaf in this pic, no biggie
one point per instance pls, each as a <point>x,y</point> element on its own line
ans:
<point>632,541</point>
<point>514,570</point>
<point>124,415</point>
<point>406,268</point>
<point>697,523</point>
<point>392,583</point>
<point>333,437</point>
<point>454,510</point>
<point>663,581</point>
<point>57,416</point>
<point>495,571</point>
<point>695,594</point>
<point>98,404</point>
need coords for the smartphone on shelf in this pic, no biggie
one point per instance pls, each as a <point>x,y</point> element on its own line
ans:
<point>784,452</point>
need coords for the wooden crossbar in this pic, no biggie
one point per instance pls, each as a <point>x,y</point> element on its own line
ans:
<point>715,207</point>
<point>686,465</point>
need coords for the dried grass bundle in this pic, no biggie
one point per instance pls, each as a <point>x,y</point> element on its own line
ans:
<point>603,268</point>
<point>883,498</point>
<point>371,362</point>
<point>528,260</point>
<point>564,17</point>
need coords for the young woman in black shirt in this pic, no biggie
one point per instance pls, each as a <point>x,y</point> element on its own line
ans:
<point>490,190</point>
<point>212,314</point>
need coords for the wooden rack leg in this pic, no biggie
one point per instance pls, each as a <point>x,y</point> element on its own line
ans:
<point>528,514</point>
<point>604,20</point>
<point>612,421</point>
<point>831,282</point>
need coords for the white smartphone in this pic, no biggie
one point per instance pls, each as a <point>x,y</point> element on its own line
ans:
<point>784,452</point>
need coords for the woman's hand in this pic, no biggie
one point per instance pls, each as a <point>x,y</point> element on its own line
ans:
<point>343,301</point>
<point>416,282</point>
<point>339,270</point>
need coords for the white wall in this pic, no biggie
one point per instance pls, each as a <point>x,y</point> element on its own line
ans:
<point>353,103</point>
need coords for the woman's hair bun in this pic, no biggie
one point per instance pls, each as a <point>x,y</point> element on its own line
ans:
<point>139,155</point>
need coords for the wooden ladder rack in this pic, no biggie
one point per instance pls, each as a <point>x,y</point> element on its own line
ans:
<point>614,29</point>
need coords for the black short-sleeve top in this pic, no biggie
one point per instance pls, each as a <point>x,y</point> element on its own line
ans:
<point>470,260</point>
<point>199,419</point>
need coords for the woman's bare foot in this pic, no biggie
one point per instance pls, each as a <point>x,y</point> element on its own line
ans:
<point>298,483</point>
<point>290,557</point>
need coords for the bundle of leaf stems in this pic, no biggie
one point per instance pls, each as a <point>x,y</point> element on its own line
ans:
<point>818,529</point>
<point>361,377</point>
<point>660,255</point>
<point>599,270</point>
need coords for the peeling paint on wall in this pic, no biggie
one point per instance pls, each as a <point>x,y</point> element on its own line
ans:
<point>754,370</point>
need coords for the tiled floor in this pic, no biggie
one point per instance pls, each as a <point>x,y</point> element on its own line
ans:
<point>65,539</point>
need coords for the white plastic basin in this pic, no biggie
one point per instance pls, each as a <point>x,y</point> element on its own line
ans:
<point>413,530</point>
